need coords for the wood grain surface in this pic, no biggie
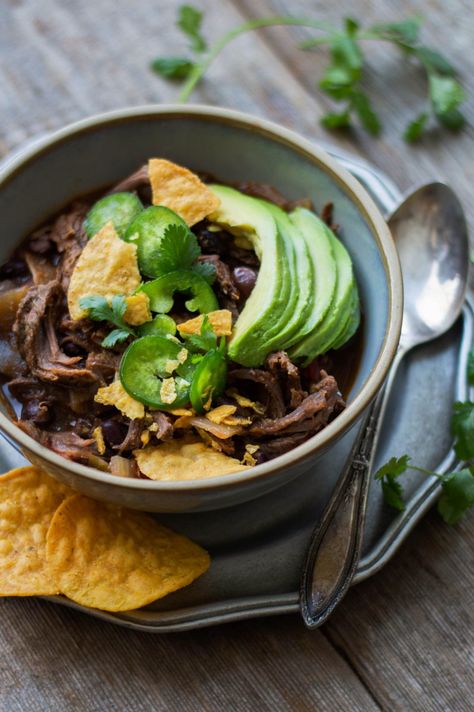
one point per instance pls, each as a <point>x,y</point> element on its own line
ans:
<point>403,640</point>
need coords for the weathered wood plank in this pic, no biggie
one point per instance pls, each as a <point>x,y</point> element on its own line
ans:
<point>56,659</point>
<point>409,632</point>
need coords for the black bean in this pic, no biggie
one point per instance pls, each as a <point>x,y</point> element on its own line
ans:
<point>13,268</point>
<point>37,411</point>
<point>113,432</point>
<point>72,349</point>
<point>211,243</point>
<point>244,278</point>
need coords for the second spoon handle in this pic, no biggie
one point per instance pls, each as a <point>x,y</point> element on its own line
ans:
<point>335,545</point>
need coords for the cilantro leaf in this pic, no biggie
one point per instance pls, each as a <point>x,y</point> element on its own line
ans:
<point>405,32</point>
<point>395,467</point>
<point>393,494</point>
<point>434,61</point>
<point>367,116</point>
<point>416,127</point>
<point>205,341</point>
<point>457,495</point>
<point>334,120</point>
<point>117,336</point>
<point>177,250</point>
<point>453,120</point>
<point>206,270</point>
<point>189,21</point>
<point>462,427</point>
<point>470,368</point>
<point>172,67</point>
<point>388,473</point>
<point>99,309</point>
<point>446,94</point>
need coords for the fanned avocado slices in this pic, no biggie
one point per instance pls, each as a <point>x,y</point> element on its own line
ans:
<point>305,299</point>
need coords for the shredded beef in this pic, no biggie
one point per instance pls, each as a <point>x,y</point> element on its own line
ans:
<point>103,364</point>
<point>227,293</point>
<point>69,238</point>
<point>310,416</point>
<point>135,181</point>
<point>275,405</point>
<point>132,440</point>
<point>36,337</point>
<point>288,375</point>
<point>165,426</point>
<point>65,443</point>
<point>41,269</point>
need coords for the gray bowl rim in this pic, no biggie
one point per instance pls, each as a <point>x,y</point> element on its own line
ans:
<point>322,161</point>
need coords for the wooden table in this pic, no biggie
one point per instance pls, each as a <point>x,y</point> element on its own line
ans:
<point>401,641</point>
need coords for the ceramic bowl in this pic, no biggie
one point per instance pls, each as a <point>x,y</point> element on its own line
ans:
<point>101,150</point>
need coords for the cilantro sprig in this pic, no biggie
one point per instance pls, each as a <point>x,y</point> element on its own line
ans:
<point>179,249</point>
<point>99,309</point>
<point>457,487</point>
<point>457,494</point>
<point>342,78</point>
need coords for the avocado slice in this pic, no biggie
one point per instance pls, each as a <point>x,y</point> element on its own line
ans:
<point>300,300</point>
<point>330,328</point>
<point>265,309</point>
<point>352,323</point>
<point>324,276</point>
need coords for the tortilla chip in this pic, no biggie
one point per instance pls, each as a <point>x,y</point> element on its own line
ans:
<point>180,190</point>
<point>116,395</point>
<point>245,402</point>
<point>117,559</point>
<point>106,266</point>
<point>138,309</point>
<point>185,459</point>
<point>99,440</point>
<point>219,414</point>
<point>220,320</point>
<point>28,499</point>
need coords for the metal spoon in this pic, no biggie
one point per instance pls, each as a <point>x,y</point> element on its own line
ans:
<point>430,231</point>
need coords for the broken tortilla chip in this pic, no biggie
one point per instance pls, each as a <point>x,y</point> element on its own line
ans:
<point>28,499</point>
<point>219,414</point>
<point>117,559</point>
<point>106,266</point>
<point>184,459</point>
<point>115,394</point>
<point>220,320</point>
<point>180,190</point>
<point>138,309</point>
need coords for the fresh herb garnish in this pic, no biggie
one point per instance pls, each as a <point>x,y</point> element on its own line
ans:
<point>205,340</point>
<point>342,77</point>
<point>470,368</point>
<point>99,309</point>
<point>179,249</point>
<point>462,427</point>
<point>457,488</point>
<point>206,270</point>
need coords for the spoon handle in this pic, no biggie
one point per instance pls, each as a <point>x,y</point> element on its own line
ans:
<point>335,545</point>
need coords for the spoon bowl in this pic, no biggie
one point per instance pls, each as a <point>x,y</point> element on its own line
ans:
<point>430,231</point>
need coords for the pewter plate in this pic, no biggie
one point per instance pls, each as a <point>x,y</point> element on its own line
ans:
<point>258,548</point>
